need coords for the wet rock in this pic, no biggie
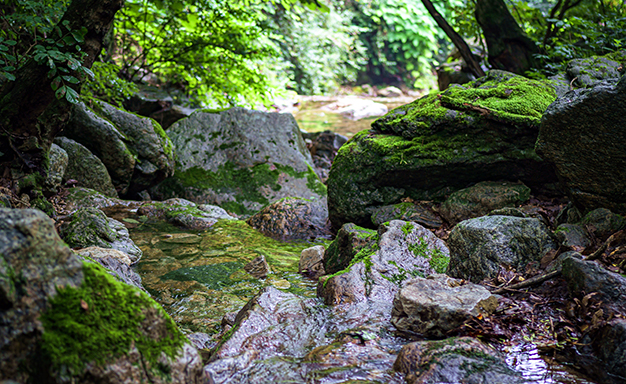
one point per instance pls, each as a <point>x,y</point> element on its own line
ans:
<point>312,262</point>
<point>293,219</point>
<point>508,211</point>
<point>390,92</point>
<point>323,147</point>
<point>61,302</point>
<point>481,199</point>
<point>88,198</point>
<point>480,247</point>
<point>441,143</point>
<point>117,263</point>
<point>455,360</point>
<point>602,223</point>
<point>585,277</point>
<point>574,237</point>
<point>258,267</point>
<point>90,227</point>
<point>350,240</point>
<point>438,304</point>
<point>184,213</point>
<point>240,160</point>
<point>581,134</point>
<point>408,212</point>
<point>85,167</point>
<point>401,251</point>
<point>58,163</point>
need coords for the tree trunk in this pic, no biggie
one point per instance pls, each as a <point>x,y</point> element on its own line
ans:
<point>509,47</point>
<point>457,40</point>
<point>30,114</point>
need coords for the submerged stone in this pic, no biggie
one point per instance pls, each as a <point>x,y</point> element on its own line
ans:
<point>441,143</point>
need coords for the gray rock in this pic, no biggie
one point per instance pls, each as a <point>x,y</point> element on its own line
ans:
<point>184,213</point>
<point>481,199</point>
<point>58,164</point>
<point>147,141</point>
<point>602,223</point>
<point>402,250</point>
<point>350,240</point>
<point>440,143</point>
<point>573,236</point>
<point>79,197</point>
<point>86,168</point>
<point>355,108</point>
<point>311,262</point>
<point>438,304</point>
<point>581,134</point>
<point>408,212</point>
<point>455,360</point>
<point>133,342</point>
<point>117,264</point>
<point>293,218</point>
<point>480,247</point>
<point>240,160</point>
<point>90,227</point>
<point>216,212</point>
<point>592,70</point>
<point>584,277</point>
<point>105,141</point>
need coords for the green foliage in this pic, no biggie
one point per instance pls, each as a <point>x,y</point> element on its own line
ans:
<point>107,85</point>
<point>401,37</point>
<point>33,33</point>
<point>210,48</point>
<point>99,321</point>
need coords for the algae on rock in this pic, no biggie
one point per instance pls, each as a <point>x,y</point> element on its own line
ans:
<point>441,143</point>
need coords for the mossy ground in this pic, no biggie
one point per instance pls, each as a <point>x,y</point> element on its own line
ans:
<point>99,321</point>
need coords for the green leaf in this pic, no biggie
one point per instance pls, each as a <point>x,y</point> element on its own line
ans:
<point>56,82</point>
<point>129,220</point>
<point>71,79</point>
<point>71,96</point>
<point>9,76</point>
<point>61,92</point>
<point>78,36</point>
<point>10,42</point>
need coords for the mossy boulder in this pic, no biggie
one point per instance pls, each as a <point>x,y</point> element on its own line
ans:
<point>63,320</point>
<point>485,130</point>
<point>135,149</point>
<point>240,160</point>
<point>58,163</point>
<point>91,227</point>
<point>399,251</point>
<point>84,167</point>
<point>583,135</point>
<point>350,240</point>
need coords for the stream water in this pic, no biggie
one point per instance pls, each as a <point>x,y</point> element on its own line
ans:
<point>198,278</point>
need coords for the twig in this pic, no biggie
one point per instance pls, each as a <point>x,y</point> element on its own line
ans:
<point>530,282</point>
<point>596,255</point>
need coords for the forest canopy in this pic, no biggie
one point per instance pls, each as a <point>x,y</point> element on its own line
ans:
<point>244,52</point>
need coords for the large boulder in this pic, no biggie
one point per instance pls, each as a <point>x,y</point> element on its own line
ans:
<point>58,163</point>
<point>135,149</point>
<point>240,160</point>
<point>582,134</point>
<point>69,321</point>
<point>454,360</point>
<point>400,251</point>
<point>85,168</point>
<point>440,143</point>
<point>480,247</point>
<point>91,227</point>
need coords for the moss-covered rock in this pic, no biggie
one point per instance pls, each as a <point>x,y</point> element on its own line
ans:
<point>70,321</point>
<point>350,240</point>
<point>85,168</point>
<point>91,227</point>
<point>240,160</point>
<point>441,143</point>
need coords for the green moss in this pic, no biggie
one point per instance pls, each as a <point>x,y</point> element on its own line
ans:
<point>99,321</point>
<point>213,276</point>
<point>407,228</point>
<point>437,259</point>
<point>517,100</point>
<point>168,147</point>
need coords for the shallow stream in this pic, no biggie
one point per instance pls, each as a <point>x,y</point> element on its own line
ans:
<point>198,278</point>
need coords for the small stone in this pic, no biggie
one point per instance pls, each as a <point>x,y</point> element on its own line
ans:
<point>312,262</point>
<point>258,268</point>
